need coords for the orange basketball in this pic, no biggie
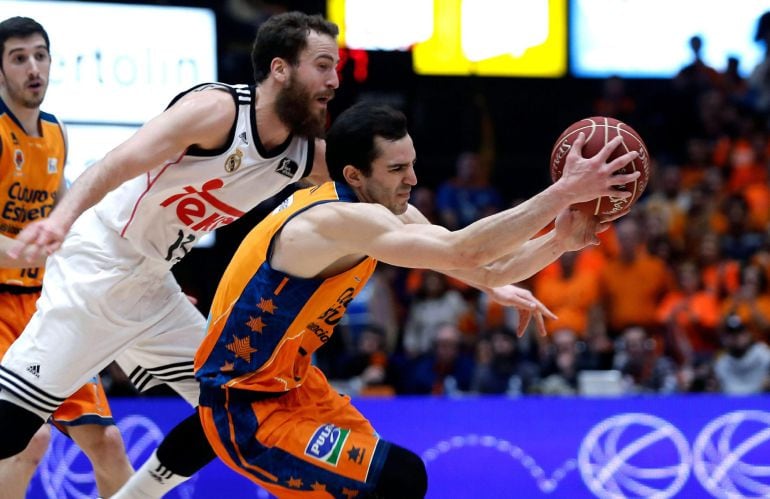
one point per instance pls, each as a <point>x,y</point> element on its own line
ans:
<point>598,131</point>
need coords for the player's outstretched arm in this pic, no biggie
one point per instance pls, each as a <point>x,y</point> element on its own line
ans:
<point>20,262</point>
<point>201,118</point>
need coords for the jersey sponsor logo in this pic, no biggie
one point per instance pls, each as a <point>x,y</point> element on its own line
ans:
<point>233,161</point>
<point>326,443</point>
<point>53,166</point>
<point>194,207</point>
<point>16,208</point>
<point>287,167</point>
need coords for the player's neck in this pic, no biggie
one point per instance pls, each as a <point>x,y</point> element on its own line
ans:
<point>272,131</point>
<point>28,117</point>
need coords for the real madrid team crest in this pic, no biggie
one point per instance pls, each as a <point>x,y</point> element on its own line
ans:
<point>233,161</point>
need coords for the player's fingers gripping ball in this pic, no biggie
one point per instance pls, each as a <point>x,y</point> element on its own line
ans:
<point>598,131</point>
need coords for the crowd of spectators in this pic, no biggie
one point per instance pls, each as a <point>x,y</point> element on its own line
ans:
<point>675,298</point>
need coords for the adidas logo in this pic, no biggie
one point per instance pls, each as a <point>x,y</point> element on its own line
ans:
<point>242,136</point>
<point>161,474</point>
<point>34,369</point>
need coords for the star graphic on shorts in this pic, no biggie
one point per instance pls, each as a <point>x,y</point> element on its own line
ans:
<point>227,366</point>
<point>256,324</point>
<point>318,486</point>
<point>241,348</point>
<point>266,306</point>
<point>356,455</point>
<point>349,493</point>
<point>294,483</point>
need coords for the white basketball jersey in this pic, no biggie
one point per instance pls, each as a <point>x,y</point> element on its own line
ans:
<point>163,212</point>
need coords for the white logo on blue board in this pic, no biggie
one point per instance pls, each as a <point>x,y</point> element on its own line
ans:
<point>634,455</point>
<point>731,455</point>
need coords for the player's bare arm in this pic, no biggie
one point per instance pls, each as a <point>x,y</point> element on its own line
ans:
<point>20,262</point>
<point>200,118</point>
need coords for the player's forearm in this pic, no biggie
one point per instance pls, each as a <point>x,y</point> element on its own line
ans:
<point>9,262</point>
<point>89,188</point>
<point>500,234</point>
<point>521,264</point>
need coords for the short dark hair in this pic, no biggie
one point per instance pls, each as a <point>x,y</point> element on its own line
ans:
<point>20,27</point>
<point>350,139</point>
<point>285,36</point>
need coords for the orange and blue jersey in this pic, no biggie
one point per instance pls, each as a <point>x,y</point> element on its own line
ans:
<point>264,324</point>
<point>31,170</point>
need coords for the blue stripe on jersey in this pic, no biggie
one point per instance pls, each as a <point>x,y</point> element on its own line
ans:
<point>48,117</point>
<point>246,321</point>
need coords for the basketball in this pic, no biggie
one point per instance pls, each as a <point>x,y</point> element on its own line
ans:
<point>598,131</point>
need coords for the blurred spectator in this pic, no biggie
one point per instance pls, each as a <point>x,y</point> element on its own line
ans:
<point>744,367</point>
<point>720,276</point>
<point>434,304</point>
<point>365,368</point>
<point>759,80</point>
<point>615,101</point>
<point>562,363</point>
<point>499,366</point>
<point>751,303</point>
<point>697,76</point>
<point>468,196</point>
<point>568,292</point>
<point>424,200</point>
<point>739,241</point>
<point>445,369</point>
<point>375,306</point>
<point>689,315</point>
<point>643,368</point>
<point>633,283</point>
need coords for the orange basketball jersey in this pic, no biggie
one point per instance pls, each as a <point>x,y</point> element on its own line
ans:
<point>31,170</point>
<point>265,325</point>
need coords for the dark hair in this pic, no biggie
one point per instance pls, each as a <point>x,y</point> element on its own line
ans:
<point>20,27</point>
<point>285,36</point>
<point>350,139</point>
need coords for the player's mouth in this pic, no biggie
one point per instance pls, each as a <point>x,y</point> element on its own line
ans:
<point>325,98</point>
<point>35,85</point>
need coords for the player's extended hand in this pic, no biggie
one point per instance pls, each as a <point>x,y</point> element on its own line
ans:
<point>526,303</point>
<point>37,239</point>
<point>577,229</point>
<point>590,178</point>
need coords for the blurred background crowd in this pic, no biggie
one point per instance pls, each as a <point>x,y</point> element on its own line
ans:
<point>675,299</point>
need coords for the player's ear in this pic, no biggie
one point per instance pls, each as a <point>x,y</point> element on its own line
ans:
<point>352,175</point>
<point>280,69</point>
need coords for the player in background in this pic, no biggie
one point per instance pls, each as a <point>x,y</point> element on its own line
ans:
<point>212,155</point>
<point>32,157</point>
<point>268,412</point>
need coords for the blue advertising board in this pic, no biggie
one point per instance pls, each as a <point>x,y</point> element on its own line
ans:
<point>678,446</point>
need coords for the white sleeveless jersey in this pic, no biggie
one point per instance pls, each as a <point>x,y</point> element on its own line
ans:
<point>163,212</point>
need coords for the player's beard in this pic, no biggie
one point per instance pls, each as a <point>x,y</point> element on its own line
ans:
<point>294,104</point>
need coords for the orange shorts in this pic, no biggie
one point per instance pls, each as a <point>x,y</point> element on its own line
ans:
<point>89,404</point>
<point>308,443</point>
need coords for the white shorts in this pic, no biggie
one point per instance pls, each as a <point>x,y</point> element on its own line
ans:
<point>102,301</point>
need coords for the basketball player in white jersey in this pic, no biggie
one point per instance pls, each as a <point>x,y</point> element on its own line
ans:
<point>108,293</point>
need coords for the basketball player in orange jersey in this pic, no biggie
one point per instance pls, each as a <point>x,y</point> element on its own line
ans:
<point>32,156</point>
<point>267,411</point>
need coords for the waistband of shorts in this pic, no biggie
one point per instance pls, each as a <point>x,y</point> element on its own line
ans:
<point>210,397</point>
<point>19,290</point>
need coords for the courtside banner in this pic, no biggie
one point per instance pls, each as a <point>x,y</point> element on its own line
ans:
<point>569,448</point>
